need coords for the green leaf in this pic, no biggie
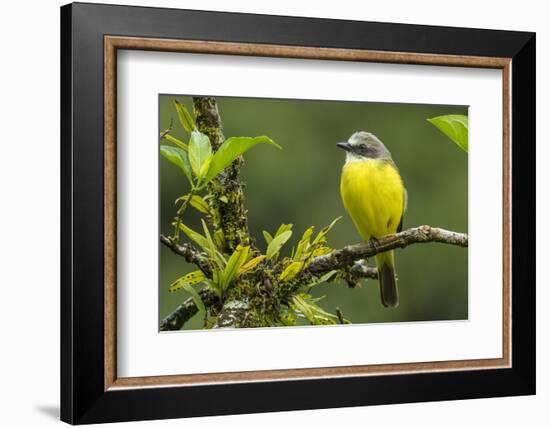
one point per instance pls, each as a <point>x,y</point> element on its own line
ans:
<point>322,235</point>
<point>303,245</point>
<point>282,228</point>
<point>302,306</point>
<point>205,166</point>
<point>320,250</point>
<point>196,237</point>
<point>267,236</point>
<point>231,149</point>
<point>190,278</point>
<point>199,204</point>
<point>311,311</point>
<point>195,296</point>
<point>186,282</point>
<point>177,142</point>
<point>276,244</point>
<point>287,316</point>
<point>213,284</point>
<point>205,242</point>
<point>328,276</point>
<point>325,278</point>
<point>178,157</point>
<point>219,238</point>
<point>199,151</point>
<point>182,198</point>
<point>454,126</point>
<point>185,117</point>
<point>212,248</point>
<point>207,234</point>
<point>291,271</point>
<point>235,262</point>
<point>251,264</point>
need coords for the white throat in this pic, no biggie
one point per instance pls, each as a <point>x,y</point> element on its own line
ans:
<point>352,157</point>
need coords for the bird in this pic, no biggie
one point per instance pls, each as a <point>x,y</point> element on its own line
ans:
<point>375,198</point>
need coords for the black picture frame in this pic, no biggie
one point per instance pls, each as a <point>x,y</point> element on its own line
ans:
<point>83,396</point>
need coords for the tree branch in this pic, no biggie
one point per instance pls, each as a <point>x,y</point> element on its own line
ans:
<point>346,256</point>
<point>190,254</point>
<point>184,312</point>
<point>236,313</point>
<point>360,269</point>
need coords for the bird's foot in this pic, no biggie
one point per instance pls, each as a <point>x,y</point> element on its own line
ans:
<point>374,242</point>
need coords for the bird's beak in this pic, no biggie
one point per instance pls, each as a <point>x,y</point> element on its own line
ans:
<point>344,145</point>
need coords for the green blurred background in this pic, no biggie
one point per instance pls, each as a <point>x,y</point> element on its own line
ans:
<point>300,185</point>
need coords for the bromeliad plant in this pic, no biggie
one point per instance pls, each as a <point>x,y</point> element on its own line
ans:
<point>262,281</point>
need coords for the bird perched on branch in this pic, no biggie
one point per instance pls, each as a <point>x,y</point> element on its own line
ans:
<point>375,198</point>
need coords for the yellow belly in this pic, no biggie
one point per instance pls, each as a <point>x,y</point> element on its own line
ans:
<point>372,192</point>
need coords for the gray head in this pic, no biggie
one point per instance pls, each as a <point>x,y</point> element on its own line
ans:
<point>364,145</point>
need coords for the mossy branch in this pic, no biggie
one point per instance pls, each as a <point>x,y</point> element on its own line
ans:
<point>236,313</point>
<point>228,201</point>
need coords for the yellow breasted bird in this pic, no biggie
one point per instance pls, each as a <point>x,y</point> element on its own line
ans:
<point>375,198</point>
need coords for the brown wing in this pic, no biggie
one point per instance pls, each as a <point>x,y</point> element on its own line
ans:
<point>405,201</point>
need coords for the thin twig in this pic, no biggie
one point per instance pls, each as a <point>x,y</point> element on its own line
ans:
<point>167,130</point>
<point>183,313</point>
<point>190,254</point>
<point>340,315</point>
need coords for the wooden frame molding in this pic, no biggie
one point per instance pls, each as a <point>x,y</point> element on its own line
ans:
<point>113,43</point>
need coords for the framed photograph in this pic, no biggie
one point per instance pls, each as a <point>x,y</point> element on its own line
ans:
<point>266,213</point>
